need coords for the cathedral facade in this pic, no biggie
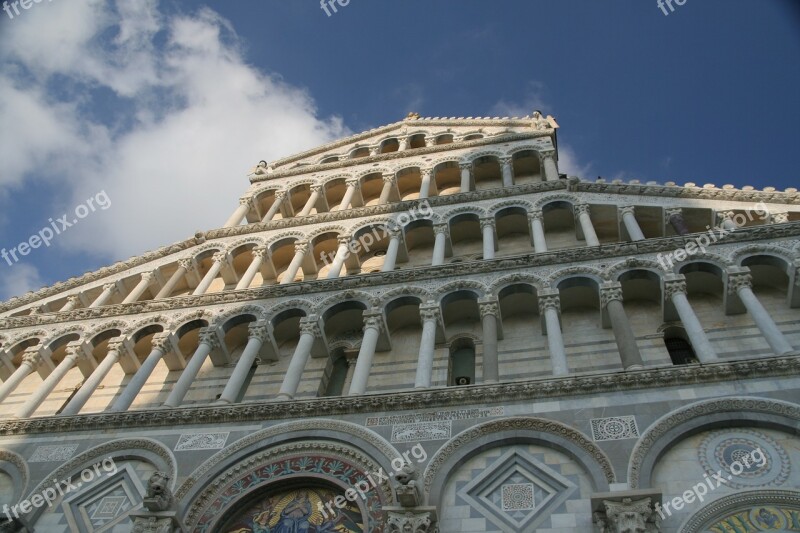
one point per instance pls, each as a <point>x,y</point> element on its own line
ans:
<point>425,327</point>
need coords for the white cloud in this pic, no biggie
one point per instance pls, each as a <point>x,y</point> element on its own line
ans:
<point>18,279</point>
<point>188,117</point>
<point>532,100</point>
<point>571,164</point>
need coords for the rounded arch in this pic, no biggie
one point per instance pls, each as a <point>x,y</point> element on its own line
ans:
<point>144,449</point>
<point>679,424</point>
<point>207,249</point>
<point>515,430</point>
<point>513,279</point>
<point>448,216</point>
<point>358,442</point>
<point>423,294</point>
<point>583,271</point>
<point>246,241</point>
<point>64,332</point>
<point>558,197</point>
<point>471,158</point>
<point>226,315</point>
<point>475,287</point>
<point>719,509</point>
<point>197,315</point>
<point>386,171</point>
<point>784,256</point>
<point>339,230</point>
<point>697,261</point>
<point>365,298</point>
<point>615,270</point>
<point>17,469</point>
<point>494,209</point>
<point>303,305</point>
<point>324,181</point>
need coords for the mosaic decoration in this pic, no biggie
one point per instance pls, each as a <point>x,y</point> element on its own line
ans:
<point>516,492</point>
<point>298,511</point>
<point>293,467</point>
<point>614,428</point>
<point>517,497</point>
<point>757,459</point>
<point>201,441</point>
<point>759,518</point>
<point>105,507</point>
<point>422,431</point>
<point>46,454</point>
<point>437,416</point>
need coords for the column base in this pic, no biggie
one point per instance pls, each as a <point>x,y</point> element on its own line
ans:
<point>284,397</point>
<point>634,367</point>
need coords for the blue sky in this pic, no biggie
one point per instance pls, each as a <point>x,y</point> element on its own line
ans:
<point>165,105</point>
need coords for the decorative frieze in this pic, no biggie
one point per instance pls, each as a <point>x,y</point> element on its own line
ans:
<point>53,453</point>
<point>614,428</point>
<point>460,414</point>
<point>201,441</point>
<point>422,431</point>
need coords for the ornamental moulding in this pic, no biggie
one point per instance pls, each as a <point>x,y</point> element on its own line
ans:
<point>479,394</point>
<point>403,277</point>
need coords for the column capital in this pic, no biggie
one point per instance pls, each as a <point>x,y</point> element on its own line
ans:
<point>430,140</point>
<point>75,350</point>
<point>536,214</point>
<point>280,195</point>
<point>115,344</point>
<point>674,286</point>
<point>375,150</point>
<point>187,264</point>
<point>258,330</point>
<point>627,210</point>
<point>74,300</point>
<point>628,515</point>
<point>394,232</point>
<point>441,228</point>
<point>148,277</point>
<point>209,335</point>
<point>344,240</point>
<point>581,209</point>
<point>246,200</point>
<point>672,212</point>
<point>779,218</point>
<point>429,312</point>
<point>162,341</point>
<point>315,188</point>
<point>738,281</point>
<point>301,247</point>
<point>353,182</point>
<point>111,287</point>
<point>549,300</point>
<point>389,178</point>
<point>724,215</point>
<point>220,257</point>
<point>609,292</point>
<point>487,222</point>
<point>260,251</point>
<point>310,326</point>
<point>547,154</point>
<point>465,165</point>
<point>32,357</point>
<point>488,307</point>
<point>374,321</point>
<point>426,171</point>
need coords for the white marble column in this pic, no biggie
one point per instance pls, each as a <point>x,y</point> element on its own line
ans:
<point>403,141</point>
<point>184,266</point>
<point>389,182</point>
<point>72,302</point>
<point>466,176</point>
<point>425,184</point>
<point>373,324</point>
<point>390,259</point>
<point>313,198</point>
<point>629,219</point>
<point>441,233</point>
<point>487,228</point>
<point>352,186</point>
<point>259,256</point>
<point>430,318</point>
<point>611,300</point>
<point>276,205</point>
<point>141,287</point>
<point>258,333</point>
<point>245,204</point>
<point>208,342</point>
<point>300,250</point>
<point>550,308</point>
<point>108,291</point>
<point>30,362</point>
<point>675,219</point>
<point>489,310</point>
<point>507,166</point>
<point>341,256</point>
<point>675,290</point>
<point>114,349</point>
<point>536,219</point>
<point>74,351</point>
<point>548,160</point>
<point>160,345</point>
<point>213,271</point>
<point>585,220</point>
<point>309,332</point>
<point>741,283</point>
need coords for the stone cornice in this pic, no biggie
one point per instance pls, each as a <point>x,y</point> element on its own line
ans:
<point>469,197</point>
<point>403,277</point>
<point>392,156</point>
<point>677,376</point>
